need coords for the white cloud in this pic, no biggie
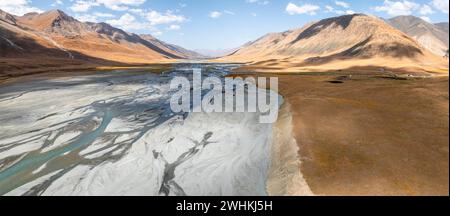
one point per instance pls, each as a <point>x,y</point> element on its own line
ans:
<point>342,4</point>
<point>441,5</point>
<point>157,18</point>
<point>260,2</point>
<point>215,14</point>
<point>310,9</point>
<point>120,5</point>
<point>128,22</point>
<point>426,18</point>
<point>86,18</point>
<point>229,12</point>
<point>104,15</point>
<point>157,33</point>
<point>425,10</point>
<point>18,7</point>
<point>137,11</point>
<point>330,9</point>
<point>83,6</point>
<point>94,17</point>
<point>56,3</point>
<point>397,8</point>
<point>174,27</point>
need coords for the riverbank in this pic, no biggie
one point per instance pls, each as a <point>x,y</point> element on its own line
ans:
<point>284,176</point>
<point>13,69</point>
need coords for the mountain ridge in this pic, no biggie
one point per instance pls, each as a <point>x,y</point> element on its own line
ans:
<point>337,43</point>
<point>430,36</point>
<point>56,30</point>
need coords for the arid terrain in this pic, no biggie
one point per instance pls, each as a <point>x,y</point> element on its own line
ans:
<point>371,134</point>
<point>369,106</point>
<point>365,112</point>
<point>348,42</point>
<point>53,40</point>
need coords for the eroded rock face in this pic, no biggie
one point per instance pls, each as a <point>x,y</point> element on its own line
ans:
<point>6,17</point>
<point>433,37</point>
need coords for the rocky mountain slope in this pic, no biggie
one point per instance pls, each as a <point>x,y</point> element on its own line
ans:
<point>433,37</point>
<point>337,43</point>
<point>56,34</point>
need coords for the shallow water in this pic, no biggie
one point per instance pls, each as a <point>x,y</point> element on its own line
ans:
<point>114,134</point>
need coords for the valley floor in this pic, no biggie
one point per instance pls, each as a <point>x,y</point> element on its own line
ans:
<point>19,67</point>
<point>364,134</point>
<point>369,134</point>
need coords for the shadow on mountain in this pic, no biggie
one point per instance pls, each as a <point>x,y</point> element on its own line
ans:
<point>316,28</point>
<point>118,34</point>
<point>364,50</point>
<point>33,55</point>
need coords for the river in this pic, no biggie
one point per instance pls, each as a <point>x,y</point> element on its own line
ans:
<point>113,133</point>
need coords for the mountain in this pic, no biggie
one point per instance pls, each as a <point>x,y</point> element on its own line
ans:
<point>337,43</point>
<point>216,53</point>
<point>8,18</point>
<point>185,53</point>
<point>433,37</point>
<point>56,34</point>
<point>443,26</point>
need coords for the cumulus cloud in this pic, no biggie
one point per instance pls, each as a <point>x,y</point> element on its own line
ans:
<point>441,5</point>
<point>309,9</point>
<point>426,18</point>
<point>174,27</point>
<point>57,2</point>
<point>86,18</point>
<point>95,17</point>
<point>120,5</point>
<point>425,10</point>
<point>342,4</point>
<point>117,5</point>
<point>128,22</point>
<point>405,7</point>
<point>157,18</point>
<point>18,7</point>
<point>397,8</point>
<point>350,12</point>
<point>215,14</point>
<point>83,6</point>
<point>330,9</point>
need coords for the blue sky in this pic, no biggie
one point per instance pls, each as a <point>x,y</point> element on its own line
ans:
<point>223,24</point>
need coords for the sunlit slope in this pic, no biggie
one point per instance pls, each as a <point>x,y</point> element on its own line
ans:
<point>338,43</point>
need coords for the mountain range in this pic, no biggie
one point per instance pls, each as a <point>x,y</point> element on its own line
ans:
<point>342,42</point>
<point>56,34</point>
<point>433,37</point>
